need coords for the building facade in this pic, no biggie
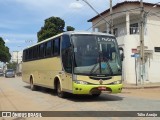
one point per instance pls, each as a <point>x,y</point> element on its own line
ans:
<point>16,56</point>
<point>126,19</point>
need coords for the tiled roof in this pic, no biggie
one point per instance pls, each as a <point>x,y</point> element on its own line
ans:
<point>120,4</point>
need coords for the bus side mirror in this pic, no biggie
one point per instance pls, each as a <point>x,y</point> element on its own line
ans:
<point>121,53</point>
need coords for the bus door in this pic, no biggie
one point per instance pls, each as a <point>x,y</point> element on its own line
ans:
<point>66,56</point>
<point>66,80</point>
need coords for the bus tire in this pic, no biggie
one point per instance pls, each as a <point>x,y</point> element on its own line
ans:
<point>96,95</point>
<point>60,93</point>
<point>32,86</point>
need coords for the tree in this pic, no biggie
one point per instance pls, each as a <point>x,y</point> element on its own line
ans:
<point>52,26</point>
<point>70,28</point>
<point>12,65</point>
<point>2,43</point>
<point>5,56</point>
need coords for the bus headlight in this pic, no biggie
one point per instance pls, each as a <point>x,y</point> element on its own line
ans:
<point>80,82</point>
<point>117,82</point>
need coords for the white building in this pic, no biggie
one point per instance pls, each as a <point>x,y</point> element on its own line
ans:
<point>1,64</point>
<point>126,21</point>
<point>16,56</point>
<point>3,67</point>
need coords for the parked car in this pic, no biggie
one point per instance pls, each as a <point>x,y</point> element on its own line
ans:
<point>1,73</point>
<point>10,73</point>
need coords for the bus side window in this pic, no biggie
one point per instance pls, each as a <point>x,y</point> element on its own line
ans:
<point>27,55</point>
<point>66,53</point>
<point>48,49</point>
<point>30,53</point>
<point>24,55</point>
<point>35,52</point>
<point>41,51</point>
<point>56,47</point>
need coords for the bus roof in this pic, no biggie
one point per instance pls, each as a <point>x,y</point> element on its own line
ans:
<point>86,32</point>
<point>72,33</point>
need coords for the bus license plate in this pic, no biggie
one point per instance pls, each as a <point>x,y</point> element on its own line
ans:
<point>102,88</point>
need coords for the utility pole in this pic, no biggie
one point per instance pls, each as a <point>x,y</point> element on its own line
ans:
<point>111,20</point>
<point>142,43</point>
<point>106,22</point>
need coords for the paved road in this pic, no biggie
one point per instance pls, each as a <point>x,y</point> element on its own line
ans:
<point>16,95</point>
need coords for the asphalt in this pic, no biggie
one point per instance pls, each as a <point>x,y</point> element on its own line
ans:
<point>141,86</point>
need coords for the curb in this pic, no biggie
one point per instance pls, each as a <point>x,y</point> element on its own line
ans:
<point>140,87</point>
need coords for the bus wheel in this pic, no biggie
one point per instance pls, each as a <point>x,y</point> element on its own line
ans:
<point>32,86</point>
<point>96,95</point>
<point>60,93</point>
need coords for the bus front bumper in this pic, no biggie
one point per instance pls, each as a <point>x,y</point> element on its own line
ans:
<point>96,89</point>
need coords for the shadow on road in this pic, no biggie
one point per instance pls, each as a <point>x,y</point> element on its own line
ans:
<point>81,98</point>
<point>89,98</point>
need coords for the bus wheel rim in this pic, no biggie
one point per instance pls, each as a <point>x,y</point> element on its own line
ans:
<point>59,90</point>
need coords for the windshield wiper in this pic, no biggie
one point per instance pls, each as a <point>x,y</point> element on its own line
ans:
<point>93,68</point>
<point>100,65</point>
<point>99,62</point>
<point>109,66</point>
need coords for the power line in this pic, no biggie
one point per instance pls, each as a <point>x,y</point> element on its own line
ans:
<point>95,10</point>
<point>113,14</point>
<point>151,14</point>
<point>155,14</point>
<point>133,9</point>
<point>153,24</point>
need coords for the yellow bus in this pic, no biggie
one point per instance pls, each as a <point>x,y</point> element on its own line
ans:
<point>74,62</point>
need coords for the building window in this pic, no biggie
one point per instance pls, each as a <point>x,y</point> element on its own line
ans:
<point>157,49</point>
<point>115,32</point>
<point>134,29</point>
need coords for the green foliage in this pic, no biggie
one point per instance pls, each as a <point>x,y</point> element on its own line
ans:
<point>12,65</point>
<point>52,26</point>
<point>5,56</point>
<point>70,28</point>
<point>2,43</point>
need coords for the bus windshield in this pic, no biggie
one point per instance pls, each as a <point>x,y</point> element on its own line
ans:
<point>96,55</point>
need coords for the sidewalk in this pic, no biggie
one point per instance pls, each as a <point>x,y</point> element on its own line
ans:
<point>141,86</point>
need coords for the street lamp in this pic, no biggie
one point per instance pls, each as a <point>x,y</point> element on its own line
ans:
<point>96,12</point>
<point>146,14</point>
<point>154,6</point>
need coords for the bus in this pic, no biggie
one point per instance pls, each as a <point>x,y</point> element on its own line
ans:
<point>74,62</point>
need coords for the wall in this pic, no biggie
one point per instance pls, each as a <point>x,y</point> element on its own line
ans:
<point>151,40</point>
<point>153,26</point>
<point>14,56</point>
